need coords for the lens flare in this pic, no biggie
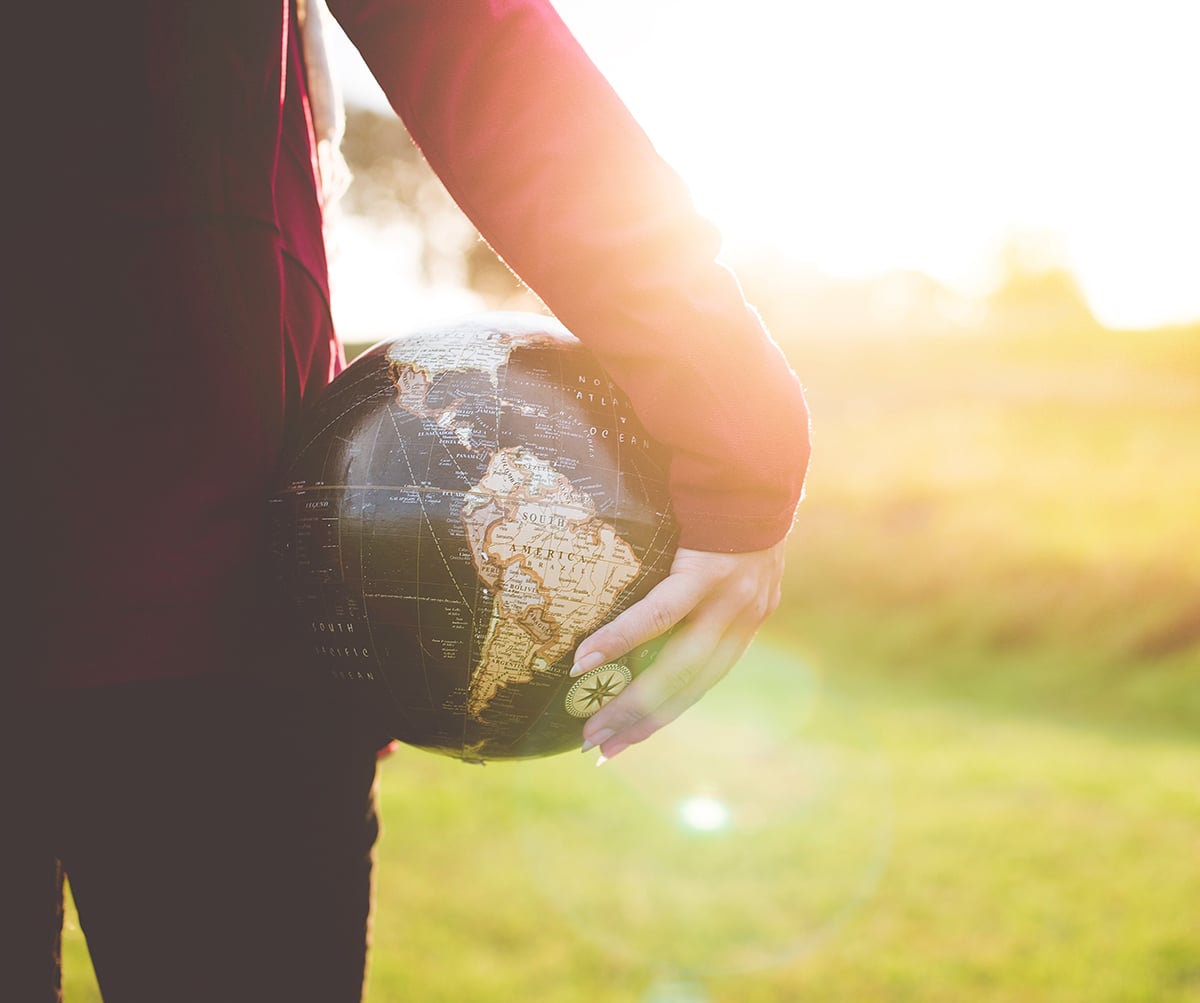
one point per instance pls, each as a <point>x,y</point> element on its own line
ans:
<point>703,814</point>
<point>735,839</point>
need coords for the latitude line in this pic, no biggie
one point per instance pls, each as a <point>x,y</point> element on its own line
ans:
<point>425,489</point>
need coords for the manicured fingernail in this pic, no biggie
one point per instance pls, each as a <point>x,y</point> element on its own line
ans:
<point>587,663</point>
<point>602,736</point>
<point>602,759</point>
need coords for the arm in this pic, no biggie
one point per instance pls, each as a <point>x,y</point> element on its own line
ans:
<point>540,153</point>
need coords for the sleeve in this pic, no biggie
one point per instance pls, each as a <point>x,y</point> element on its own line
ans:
<point>541,154</point>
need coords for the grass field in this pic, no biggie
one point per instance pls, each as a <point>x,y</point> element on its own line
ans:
<point>988,661</point>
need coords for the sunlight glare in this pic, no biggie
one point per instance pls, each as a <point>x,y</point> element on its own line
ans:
<point>883,135</point>
<point>864,136</point>
<point>704,814</point>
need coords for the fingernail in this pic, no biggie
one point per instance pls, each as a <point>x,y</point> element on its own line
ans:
<point>602,759</point>
<point>602,736</point>
<point>587,663</point>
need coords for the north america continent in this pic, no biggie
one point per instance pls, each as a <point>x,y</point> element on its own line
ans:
<point>554,566</point>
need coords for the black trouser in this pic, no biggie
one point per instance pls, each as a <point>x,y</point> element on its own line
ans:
<point>217,834</point>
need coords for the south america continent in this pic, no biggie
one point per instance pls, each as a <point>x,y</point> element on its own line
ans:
<point>554,566</point>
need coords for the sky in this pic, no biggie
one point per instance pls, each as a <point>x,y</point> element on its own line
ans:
<point>860,136</point>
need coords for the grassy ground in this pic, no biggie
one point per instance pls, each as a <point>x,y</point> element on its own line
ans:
<point>1015,517</point>
<point>995,579</point>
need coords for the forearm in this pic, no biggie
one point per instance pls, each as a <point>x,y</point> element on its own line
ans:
<point>544,158</point>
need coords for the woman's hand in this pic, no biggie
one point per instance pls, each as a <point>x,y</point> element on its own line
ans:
<point>715,602</point>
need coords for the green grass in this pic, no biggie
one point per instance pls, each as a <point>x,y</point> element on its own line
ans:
<point>993,601</point>
<point>1027,860</point>
<point>1008,518</point>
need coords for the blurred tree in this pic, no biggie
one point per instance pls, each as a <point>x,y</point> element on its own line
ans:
<point>392,184</point>
<point>1036,290</point>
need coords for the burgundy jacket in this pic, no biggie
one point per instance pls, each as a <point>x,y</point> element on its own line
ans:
<point>170,308</point>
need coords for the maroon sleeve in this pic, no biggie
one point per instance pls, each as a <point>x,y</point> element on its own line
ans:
<point>544,158</point>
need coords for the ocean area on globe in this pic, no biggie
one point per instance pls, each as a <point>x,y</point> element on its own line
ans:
<point>463,505</point>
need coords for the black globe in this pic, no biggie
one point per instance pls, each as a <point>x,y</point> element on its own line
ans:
<point>463,506</point>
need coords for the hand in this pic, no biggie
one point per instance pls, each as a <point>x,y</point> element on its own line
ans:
<point>716,603</point>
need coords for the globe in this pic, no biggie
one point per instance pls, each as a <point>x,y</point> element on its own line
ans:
<point>463,505</point>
